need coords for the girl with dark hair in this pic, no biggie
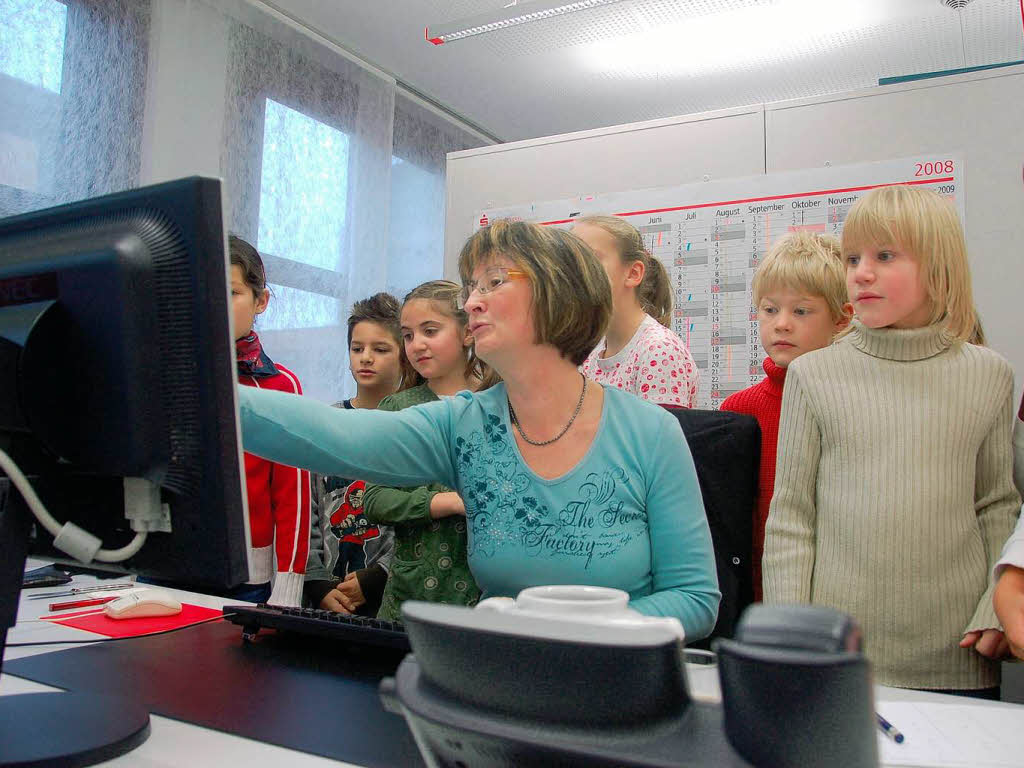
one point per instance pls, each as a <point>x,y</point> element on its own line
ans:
<point>279,496</point>
<point>430,527</point>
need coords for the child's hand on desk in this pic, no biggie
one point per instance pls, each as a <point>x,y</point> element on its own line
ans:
<point>990,643</point>
<point>1008,600</point>
<point>337,601</point>
<point>351,590</point>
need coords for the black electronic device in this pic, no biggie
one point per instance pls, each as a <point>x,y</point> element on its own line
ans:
<point>317,623</point>
<point>483,689</point>
<point>47,576</point>
<point>117,403</point>
<point>796,689</point>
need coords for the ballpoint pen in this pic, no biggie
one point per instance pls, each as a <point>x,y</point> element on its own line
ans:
<point>889,729</point>
<point>83,590</point>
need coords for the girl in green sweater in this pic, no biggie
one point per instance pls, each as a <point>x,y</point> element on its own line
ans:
<point>430,560</point>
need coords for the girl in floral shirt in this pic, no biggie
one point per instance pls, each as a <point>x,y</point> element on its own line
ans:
<point>639,353</point>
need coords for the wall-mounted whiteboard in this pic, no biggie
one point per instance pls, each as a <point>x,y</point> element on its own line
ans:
<point>979,115</point>
<point>712,235</point>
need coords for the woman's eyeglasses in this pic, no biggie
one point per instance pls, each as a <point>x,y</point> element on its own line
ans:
<point>493,278</point>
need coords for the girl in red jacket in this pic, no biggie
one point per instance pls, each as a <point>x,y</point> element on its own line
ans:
<point>279,512</point>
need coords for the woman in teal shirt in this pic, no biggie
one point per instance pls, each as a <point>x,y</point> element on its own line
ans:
<point>563,482</point>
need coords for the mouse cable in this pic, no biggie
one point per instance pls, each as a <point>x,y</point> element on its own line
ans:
<point>114,639</point>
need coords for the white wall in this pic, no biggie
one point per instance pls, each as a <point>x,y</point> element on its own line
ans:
<point>982,115</point>
<point>656,153</point>
<point>187,71</point>
<point>979,115</point>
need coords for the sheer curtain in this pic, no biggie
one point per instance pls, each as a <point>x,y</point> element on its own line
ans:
<point>330,169</point>
<point>422,140</point>
<point>306,157</point>
<point>72,94</point>
<point>339,177</point>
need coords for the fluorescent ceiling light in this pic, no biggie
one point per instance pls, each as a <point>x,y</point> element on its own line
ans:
<point>512,14</point>
<point>737,39</point>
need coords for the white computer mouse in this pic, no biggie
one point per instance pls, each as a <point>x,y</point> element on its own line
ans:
<point>143,602</point>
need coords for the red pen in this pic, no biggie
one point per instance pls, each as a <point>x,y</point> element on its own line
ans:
<point>81,603</point>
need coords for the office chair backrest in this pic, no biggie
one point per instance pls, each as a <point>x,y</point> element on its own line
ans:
<point>726,450</point>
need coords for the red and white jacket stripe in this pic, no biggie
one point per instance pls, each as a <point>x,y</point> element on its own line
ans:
<point>279,512</point>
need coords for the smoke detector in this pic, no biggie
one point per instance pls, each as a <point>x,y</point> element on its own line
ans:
<point>956,5</point>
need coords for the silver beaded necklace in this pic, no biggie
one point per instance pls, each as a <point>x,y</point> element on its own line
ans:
<point>579,406</point>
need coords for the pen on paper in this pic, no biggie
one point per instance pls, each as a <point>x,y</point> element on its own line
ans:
<point>889,729</point>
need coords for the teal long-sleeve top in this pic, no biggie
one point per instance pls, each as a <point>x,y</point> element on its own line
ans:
<point>629,515</point>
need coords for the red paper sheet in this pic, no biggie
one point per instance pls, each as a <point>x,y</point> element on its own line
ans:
<point>98,622</point>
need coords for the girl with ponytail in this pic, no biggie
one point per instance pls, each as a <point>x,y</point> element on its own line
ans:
<point>639,353</point>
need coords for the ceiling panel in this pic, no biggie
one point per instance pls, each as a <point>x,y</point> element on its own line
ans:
<point>639,60</point>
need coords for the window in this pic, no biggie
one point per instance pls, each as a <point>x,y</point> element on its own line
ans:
<point>416,226</point>
<point>303,203</point>
<point>32,41</point>
<point>72,97</point>
<point>32,34</point>
<point>421,141</point>
<point>336,178</point>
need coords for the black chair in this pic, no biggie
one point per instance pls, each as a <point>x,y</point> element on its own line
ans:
<point>726,450</point>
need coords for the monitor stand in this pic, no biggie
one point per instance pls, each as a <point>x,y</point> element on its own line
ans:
<point>61,728</point>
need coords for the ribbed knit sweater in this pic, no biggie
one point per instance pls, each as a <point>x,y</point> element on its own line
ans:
<point>894,495</point>
<point>763,401</point>
<point>1018,448</point>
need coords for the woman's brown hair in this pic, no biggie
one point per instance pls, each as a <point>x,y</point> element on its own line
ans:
<point>572,298</point>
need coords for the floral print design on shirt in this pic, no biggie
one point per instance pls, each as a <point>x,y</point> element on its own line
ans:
<point>501,512</point>
<point>656,365</point>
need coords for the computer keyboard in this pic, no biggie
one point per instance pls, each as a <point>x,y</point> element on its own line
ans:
<point>325,625</point>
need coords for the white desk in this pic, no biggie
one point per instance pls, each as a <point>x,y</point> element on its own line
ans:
<point>176,743</point>
<point>171,742</point>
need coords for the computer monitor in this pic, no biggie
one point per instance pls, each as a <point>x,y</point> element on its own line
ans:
<point>117,387</point>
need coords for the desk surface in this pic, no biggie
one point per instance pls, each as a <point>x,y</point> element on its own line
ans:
<point>176,743</point>
<point>171,742</point>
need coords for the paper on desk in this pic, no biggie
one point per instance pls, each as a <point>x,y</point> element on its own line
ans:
<point>953,735</point>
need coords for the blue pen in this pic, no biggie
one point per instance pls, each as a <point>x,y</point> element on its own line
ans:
<point>889,729</point>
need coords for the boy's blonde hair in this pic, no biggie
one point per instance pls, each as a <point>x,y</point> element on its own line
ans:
<point>808,262</point>
<point>572,298</point>
<point>925,224</point>
<point>655,291</point>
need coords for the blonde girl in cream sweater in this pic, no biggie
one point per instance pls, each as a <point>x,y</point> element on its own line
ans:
<point>894,487</point>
